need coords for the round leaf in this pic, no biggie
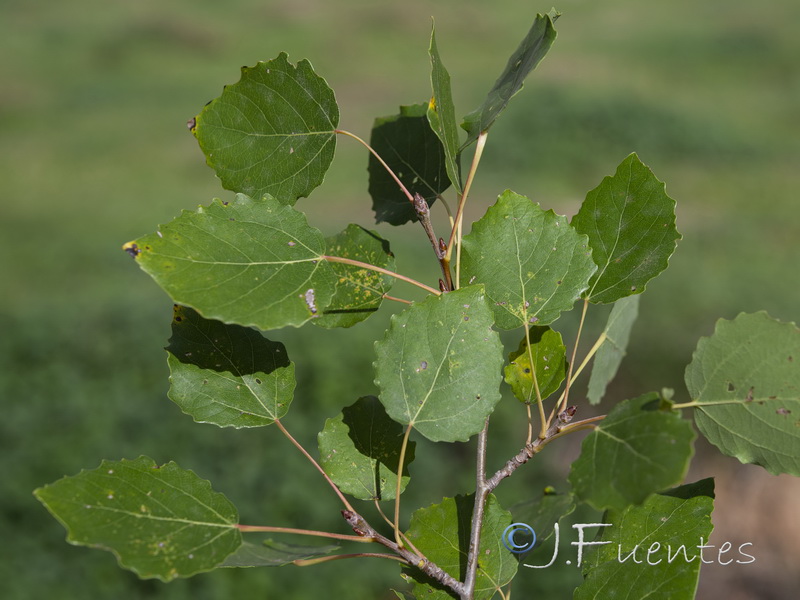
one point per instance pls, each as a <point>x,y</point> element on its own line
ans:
<point>532,263</point>
<point>272,132</point>
<point>438,366</point>
<point>246,262</point>
<point>160,521</point>
<point>650,551</point>
<point>360,451</point>
<point>635,451</point>
<point>630,222</point>
<point>746,377</point>
<point>227,375</point>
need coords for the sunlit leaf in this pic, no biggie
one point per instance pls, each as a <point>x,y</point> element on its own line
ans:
<point>532,263</point>
<point>272,132</point>
<point>360,451</point>
<point>746,377</point>
<point>228,375</point>
<point>525,58</point>
<point>159,521</point>
<point>438,367</point>
<point>611,353</point>
<point>442,115</point>
<point>549,360</point>
<point>441,532</point>
<point>630,222</point>
<point>249,262</point>
<point>651,551</point>
<point>359,292</point>
<point>415,154</point>
<point>638,449</point>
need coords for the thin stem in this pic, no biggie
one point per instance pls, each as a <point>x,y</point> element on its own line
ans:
<point>530,423</point>
<point>315,463</point>
<point>476,159</point>
<point>315,561</point>
<point>424,215</point>
<point>363,265</point>
<point>481,493</point>
<point>561,427</point>
<point>380,160</point>
<point>695,403</point>
<point>325,534</point>
<point>400,465</point>
<point>574,352</point>
<point>403,300</point>
<point>535,379</point>
<point>389,522</point>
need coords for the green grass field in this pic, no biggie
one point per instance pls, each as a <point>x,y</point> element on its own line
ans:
<point>95,152</point>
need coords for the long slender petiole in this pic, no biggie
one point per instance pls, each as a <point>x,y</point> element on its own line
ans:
<point>363,265</point>
<point>380,160</point>
<point>316,465</point>
<point>401,464</point>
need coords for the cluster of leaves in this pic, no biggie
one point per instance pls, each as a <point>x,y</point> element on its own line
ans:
<point>253,263</point>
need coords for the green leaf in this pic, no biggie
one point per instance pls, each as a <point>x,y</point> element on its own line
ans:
<point>543,512</point>
<point>651,551</point>
<point>549,358</point>
<point>635,451</point>
<point>272,132</point>
<point>609,356</point>
<point>442,114</point>
<point>227,375</point>
<point>630,222</point>
<point>247,262</point>
<point>441,532</point>
<point>438,366</point>
<point>533,264</point>
<point>159,521</point>
<point>360,451</point>
<point>413,151</point>
<point>359,292</point>
<point>746,377</point>
<point>525,58</point>
<point>274,554</point>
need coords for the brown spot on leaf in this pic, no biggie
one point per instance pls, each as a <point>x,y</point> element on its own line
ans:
<point>783,411</point>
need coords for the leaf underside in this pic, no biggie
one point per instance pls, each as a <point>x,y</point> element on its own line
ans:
<point>650,551</point>
<point>747,378</point>
<point>160,521</point>
<point>249,262</point>
<point>612,351</point>
<point>271,553</point>
<point>638,449</point>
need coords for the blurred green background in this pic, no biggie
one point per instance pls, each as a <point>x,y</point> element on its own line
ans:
<point>95,152</point>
